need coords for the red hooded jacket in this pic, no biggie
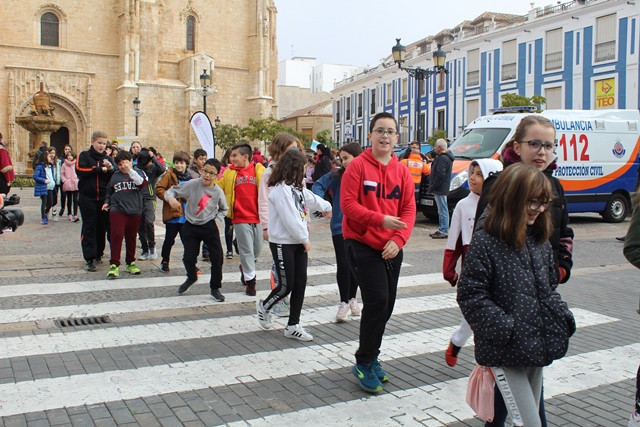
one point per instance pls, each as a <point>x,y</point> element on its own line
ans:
<point>369,191</point>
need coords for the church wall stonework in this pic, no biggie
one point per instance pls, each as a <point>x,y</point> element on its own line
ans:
<point>112,51</point>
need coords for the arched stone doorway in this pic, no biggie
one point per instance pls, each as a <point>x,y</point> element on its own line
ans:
<point>73,132</point>
<point>59,139</point>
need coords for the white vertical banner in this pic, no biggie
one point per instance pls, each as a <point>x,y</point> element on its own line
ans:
<point>204,131</point>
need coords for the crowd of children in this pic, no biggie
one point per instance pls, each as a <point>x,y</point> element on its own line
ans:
<point>371,199</point>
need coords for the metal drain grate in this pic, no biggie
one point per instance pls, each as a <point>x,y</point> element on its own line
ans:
<point>82,321</point>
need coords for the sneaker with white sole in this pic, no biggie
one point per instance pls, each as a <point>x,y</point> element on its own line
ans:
<point>144,255</point>
<point>264,317</point>
<point>367,377</point>
<point>354,307</point>
<point>281,309</point>
<point>297,332</point>
<point>634,421</point>
<point>343,312</point>
<point>152,253</point>
<point>216,295</point>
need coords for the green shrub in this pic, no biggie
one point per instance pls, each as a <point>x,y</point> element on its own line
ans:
<point>23,181</point>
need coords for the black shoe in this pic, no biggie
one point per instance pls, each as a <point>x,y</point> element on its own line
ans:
<point>205,257</point>
<point>250,287</point>
<point>98,260</point>
<point>216,295</point>
<point>229,255</point>
<point>438,235</point>
<point>621,239</point>
<point>186,285</point>
<point>165,267</point>
<point>90,266</point>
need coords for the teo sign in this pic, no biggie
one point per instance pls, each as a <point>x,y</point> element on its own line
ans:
<point>605,94</point>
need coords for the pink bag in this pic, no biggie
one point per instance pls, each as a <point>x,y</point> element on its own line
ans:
<point>480,392</point>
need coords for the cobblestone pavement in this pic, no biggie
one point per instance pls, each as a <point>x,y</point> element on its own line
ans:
<point>165,359</point>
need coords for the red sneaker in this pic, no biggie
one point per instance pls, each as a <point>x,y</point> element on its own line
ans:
<point>451,355</point>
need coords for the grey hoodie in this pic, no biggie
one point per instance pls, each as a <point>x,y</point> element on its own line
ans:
<point>204,204</point>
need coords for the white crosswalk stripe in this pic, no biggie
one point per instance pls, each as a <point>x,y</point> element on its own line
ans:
<point>439,403</point>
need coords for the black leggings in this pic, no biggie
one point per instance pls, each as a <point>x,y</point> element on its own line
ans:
<point>291,267</point>
<point>228,233</point>
<point>72,201</point>
<point>47,203</point>
<point>63,201</point>
<point>172,229</point>
<point>346,281</point>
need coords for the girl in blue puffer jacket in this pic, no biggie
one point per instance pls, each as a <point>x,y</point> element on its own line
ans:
<point>507,291</point>
<point>45,175</point>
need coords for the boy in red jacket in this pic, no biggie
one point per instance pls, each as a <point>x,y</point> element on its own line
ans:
<point>379,210</point>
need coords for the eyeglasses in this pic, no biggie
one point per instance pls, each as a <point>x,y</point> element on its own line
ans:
<point>382,132</point>
<point>535,145</point>
<point>535,205</point>
<point>206,172</point>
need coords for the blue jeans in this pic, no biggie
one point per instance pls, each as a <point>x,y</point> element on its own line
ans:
<point>443,213</point>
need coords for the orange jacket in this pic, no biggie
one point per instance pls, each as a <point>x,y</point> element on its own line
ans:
<point>417,167</point>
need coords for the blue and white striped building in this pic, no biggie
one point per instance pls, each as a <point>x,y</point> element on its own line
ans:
<point>578,55</point>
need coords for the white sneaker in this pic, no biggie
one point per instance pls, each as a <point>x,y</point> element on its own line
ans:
<point>281,309</point>
<point>153,254</point>
<point>264,317</point>
<point>144,255</point>
<point>297,332</point>
<point>634,421</point>
<point>54,217</point>
<point>343,313</point>
<point>355,308</point>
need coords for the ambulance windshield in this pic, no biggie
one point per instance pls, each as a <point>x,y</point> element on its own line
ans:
<point>479,143</point>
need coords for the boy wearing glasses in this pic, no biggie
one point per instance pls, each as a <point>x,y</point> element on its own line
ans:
<point>205,202</point>
<point>379,210</point>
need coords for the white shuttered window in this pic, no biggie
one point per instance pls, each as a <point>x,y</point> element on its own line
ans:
<point>509,60</point>
<point>473,67</point>
<point>553,50</point>
<point>605,38</point>
<point>554,98</point>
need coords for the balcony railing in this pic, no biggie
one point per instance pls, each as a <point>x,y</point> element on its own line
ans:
<point>553,61</point>
<point>606,51</point>
<point>509,71</point>
<point>473,78</point>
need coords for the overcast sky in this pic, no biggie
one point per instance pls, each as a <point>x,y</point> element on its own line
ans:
<point>361,32</point>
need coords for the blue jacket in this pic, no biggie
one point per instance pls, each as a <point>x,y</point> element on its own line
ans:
<point>331,181</point>
<point>39,176</point>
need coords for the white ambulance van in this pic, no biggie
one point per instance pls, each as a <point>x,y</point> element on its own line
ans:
<point>597,157</point>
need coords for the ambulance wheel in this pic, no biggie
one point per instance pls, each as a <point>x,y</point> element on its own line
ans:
<point>616,209</point>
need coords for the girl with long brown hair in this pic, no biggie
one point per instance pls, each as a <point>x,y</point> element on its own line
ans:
<point>289,206</point>
<point>507,291</point>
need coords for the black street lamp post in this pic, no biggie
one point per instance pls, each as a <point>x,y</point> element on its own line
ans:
<point>136,111</point>
<point>419,74</point>
<point>216,123</point>
<point>205,84</point>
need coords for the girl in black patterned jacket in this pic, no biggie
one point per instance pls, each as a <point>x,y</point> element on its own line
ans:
<point>507,291</point>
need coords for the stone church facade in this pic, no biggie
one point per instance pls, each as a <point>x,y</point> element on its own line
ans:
<point>97,56</point>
